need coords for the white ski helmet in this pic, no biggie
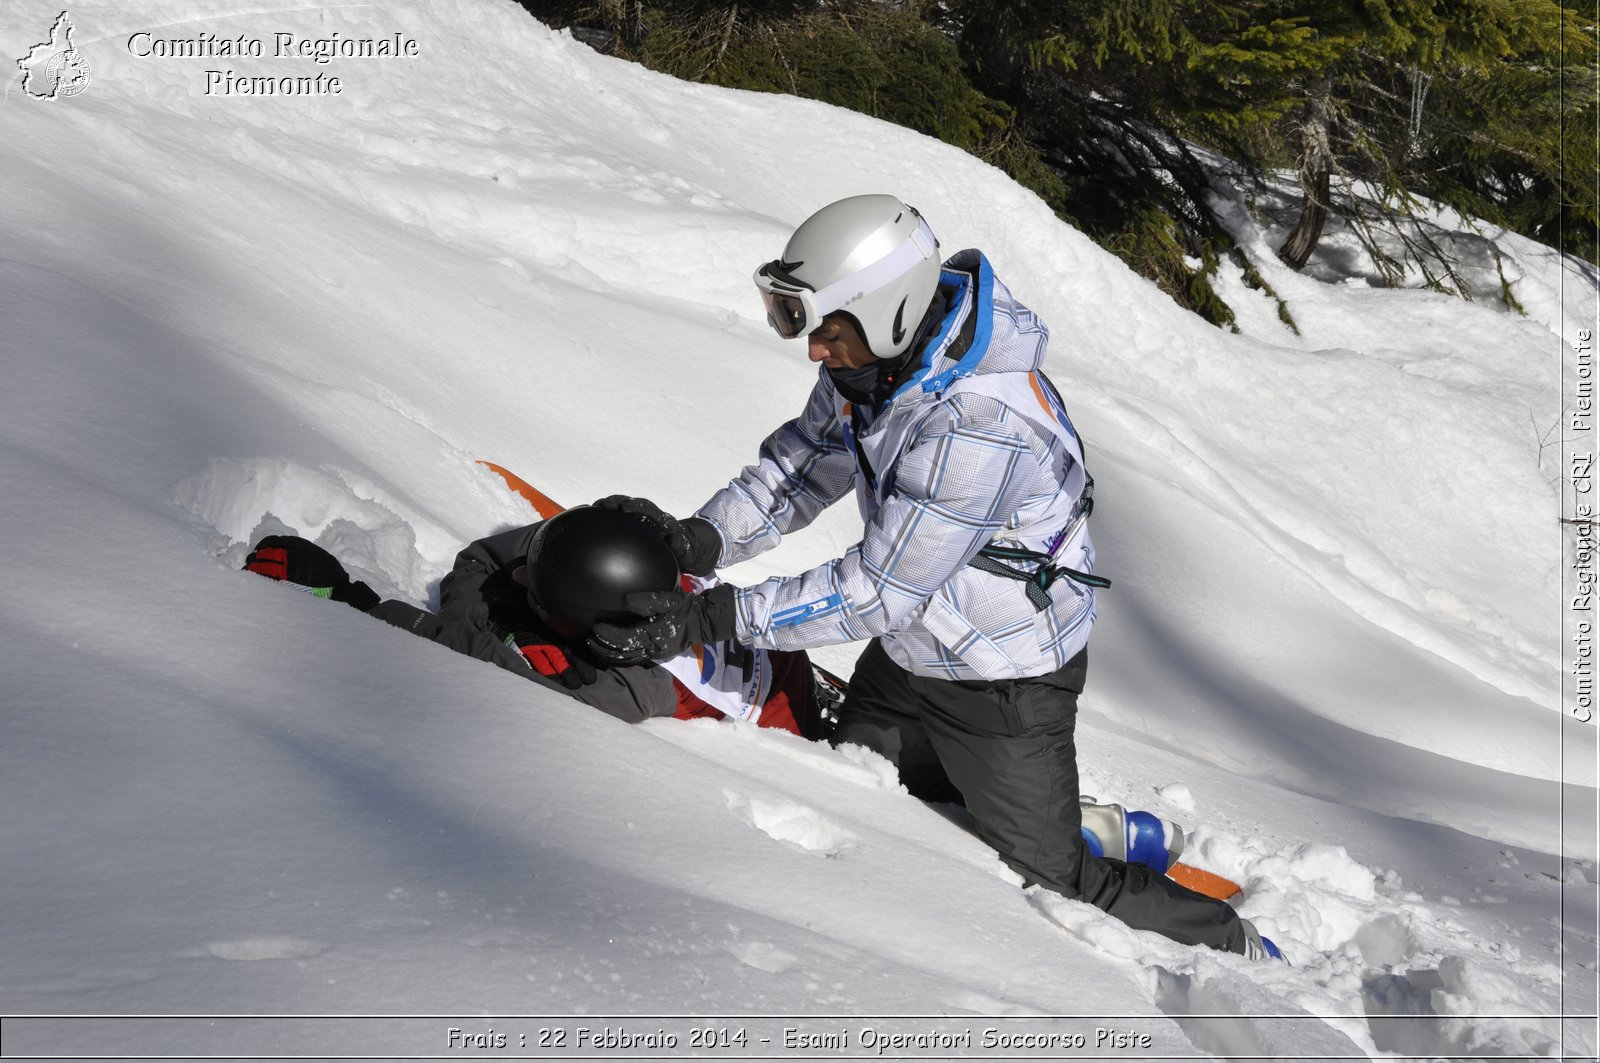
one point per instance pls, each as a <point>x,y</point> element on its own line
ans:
<point>871,257</point>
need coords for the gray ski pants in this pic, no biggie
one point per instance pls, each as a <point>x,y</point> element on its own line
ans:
<point>1005,750</point>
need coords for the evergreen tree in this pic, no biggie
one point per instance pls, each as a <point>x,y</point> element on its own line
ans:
<point>1459,102</point>
<point>1108,108</point>
<point>1337,89</point>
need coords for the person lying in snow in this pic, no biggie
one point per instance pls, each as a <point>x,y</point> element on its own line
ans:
<point>526,599</point>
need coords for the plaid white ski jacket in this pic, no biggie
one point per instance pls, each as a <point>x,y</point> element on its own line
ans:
<point>974,447</point>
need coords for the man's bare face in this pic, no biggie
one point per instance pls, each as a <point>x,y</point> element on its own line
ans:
<point>836,344</point>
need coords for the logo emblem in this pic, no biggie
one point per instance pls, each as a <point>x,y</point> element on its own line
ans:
<point>783,272</point>
<point>899,328</point>
<point>54,68</point>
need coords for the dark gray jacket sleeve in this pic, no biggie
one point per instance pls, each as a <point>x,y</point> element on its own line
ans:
<point>478,585</point>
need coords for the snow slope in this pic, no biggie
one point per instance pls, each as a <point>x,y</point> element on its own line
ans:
<point>1332,644</point>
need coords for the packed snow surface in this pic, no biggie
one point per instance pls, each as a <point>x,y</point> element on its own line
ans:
<point>1331,648</point>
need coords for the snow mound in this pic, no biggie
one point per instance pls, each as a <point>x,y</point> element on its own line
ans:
<point>1326,650</point>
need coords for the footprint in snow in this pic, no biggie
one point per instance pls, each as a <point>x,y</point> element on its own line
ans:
<point>793,824</point>
<point>763,956</point>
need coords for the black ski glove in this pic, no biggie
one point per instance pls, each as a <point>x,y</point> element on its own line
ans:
<point>565,666</point>
<point>291,559</point>
<point>693,541</point>
<point>674,622</point>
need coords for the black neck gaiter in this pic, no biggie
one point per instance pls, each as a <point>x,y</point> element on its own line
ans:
<point>872,384</point>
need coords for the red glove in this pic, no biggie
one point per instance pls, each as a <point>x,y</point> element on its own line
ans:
<point>554,662</point>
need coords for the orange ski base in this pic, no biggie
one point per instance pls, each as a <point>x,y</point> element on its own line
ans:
<point>1207,882</point>
<point>536,498</point>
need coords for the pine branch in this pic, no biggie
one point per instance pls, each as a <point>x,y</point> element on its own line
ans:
<point>727,35</point>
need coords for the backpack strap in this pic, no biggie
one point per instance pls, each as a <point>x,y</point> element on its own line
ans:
<point>1039,580</point>
<point>1044,572</point>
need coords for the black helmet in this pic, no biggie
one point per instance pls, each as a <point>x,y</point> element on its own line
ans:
<point>585,561</point>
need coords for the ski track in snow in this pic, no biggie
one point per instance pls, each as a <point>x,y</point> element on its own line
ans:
<point>264,948</point>
<point>240,320</point>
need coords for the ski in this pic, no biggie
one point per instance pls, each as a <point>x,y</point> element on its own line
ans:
<point>1208,882</point>
<point>541,502</point>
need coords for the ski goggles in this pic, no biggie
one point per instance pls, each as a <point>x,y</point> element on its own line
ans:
<point>795,308</point>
